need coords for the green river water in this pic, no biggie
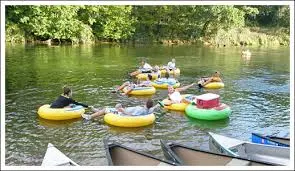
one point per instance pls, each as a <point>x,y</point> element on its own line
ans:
<point>257,89</point>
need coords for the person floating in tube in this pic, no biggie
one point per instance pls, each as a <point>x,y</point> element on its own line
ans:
<point>148,108</point>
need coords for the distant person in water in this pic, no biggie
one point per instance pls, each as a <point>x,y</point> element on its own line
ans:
<point>130,85</point>
<point>157,71</point>
<point>148,108</point>
<point>144,68</point>
<point>246,53</point>
<point>171,66</point>
<point>167,79</point>
<point>215,78</point>
<point>65,100</point>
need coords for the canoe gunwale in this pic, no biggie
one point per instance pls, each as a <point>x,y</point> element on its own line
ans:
<point>272,138</point>
<point>170,145</point>
<point>111,144</point>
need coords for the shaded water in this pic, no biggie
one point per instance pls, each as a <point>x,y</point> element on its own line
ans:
<point>257,89</point>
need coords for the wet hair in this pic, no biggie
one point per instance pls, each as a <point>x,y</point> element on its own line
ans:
<point>66,90</point>
<point>119,105</point>
<point>216,73</point>
<point>149,103</point>
<point>167,75</point>
<point>150,76</point>
<point>143,60</point>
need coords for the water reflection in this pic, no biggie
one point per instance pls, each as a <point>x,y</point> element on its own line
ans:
<point>56,124</point>
<point>204,124</point>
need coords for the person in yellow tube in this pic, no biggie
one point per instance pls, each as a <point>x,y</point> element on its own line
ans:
<point>130,85</point>
<point>174,95</point>
<point>65,100</point>
<point>215,78</point>
<point>144,68</point>
<point>148,108</point>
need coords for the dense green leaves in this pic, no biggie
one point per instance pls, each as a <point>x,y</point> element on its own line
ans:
<point>85,23</point>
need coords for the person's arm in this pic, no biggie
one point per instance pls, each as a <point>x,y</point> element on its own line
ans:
<point>185,87</point>
<point>77,103</point>
<point>208,81</point>
<point>154,107</point>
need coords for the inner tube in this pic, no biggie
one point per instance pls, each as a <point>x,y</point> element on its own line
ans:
<point>177,71</point>
<point>46,112</point>
<point>214,85</point>
<point>121,120</point>
<point>221,112</point>
<point>160,84</point>
<point>177,106</point>
<point>141,91</point>
<point>143,76</point>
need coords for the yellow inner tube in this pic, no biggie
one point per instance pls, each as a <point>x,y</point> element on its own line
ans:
<point>129,121</point>
<point>144,76</point>
<point>214,85</point>
<point>141,91</point>
<point>165,85</point>
<point>60,114</point>
<point>176,106</point>
<point>177,71</point>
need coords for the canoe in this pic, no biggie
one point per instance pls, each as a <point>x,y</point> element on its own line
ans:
<point>184,155</point>
<point>258,152</point>
<point>270,140</point>
<point>54,157</point>
<point>119,155</point>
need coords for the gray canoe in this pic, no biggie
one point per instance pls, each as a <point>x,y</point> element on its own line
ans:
<point>119,155</point>
<point>257,152</point>
<point>54,157</point>
<point>188,156</point>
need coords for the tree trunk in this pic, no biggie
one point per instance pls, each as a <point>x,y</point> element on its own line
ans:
<point>203,32</point>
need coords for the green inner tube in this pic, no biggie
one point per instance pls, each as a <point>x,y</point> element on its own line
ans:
<point>207,114</point>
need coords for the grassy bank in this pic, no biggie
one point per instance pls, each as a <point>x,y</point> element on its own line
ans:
<point>250,37</point>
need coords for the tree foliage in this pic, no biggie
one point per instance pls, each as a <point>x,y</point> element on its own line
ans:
<point>122,23</point>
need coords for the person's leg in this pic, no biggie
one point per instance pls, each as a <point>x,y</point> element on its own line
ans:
<point>167,102</point>
<point>98,113</point>
<point>135,73</point>
<point>94,115</point>
<point>129,89</point>
<point>127,83</point>
<point>207,81</point>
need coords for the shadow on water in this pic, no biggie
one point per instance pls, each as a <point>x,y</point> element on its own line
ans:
<point>57,124</point>
<point>119,130</point>
<point>208,124</point>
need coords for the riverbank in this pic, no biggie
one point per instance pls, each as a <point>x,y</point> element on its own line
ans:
<point>254,36</point>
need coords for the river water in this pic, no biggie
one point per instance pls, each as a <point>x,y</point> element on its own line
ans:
<point>257,89</point>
